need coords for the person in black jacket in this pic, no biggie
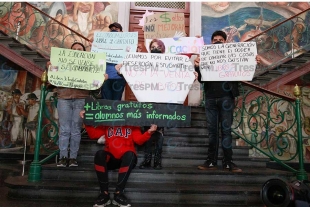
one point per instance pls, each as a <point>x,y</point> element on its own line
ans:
<point>219,105</point>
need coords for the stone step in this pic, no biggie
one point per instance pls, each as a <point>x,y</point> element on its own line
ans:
<point>151,193</point>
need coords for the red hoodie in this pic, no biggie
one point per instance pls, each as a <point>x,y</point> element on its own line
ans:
<point>118,139</point>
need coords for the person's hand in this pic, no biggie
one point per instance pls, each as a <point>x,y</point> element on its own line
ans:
<point>106,77</point>
<point>198,36</point>
<point>82,113</point>
<point>48,64</point>
<point>197,61</point>
<point>196,75</point>
<point>118,68</point>
<point>152,129</point>
<point>258,59</point>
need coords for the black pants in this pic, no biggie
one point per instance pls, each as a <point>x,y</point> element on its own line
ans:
<point>105,161</point>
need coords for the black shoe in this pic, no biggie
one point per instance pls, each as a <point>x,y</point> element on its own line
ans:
<point>73,163</point>
<point>62,162</point>
<point>208,165</point>
<point>147,161</point>
<point>120,200</point>
<point>102,200</point>
<point>157,161</point>
<point>230,166</point>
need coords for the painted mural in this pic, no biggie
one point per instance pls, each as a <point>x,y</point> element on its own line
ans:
<point>19,96</point>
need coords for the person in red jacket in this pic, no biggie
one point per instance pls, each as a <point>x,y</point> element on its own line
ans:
<point>119,153</point>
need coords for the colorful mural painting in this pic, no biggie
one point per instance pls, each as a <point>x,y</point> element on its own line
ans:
<point>19,102</point>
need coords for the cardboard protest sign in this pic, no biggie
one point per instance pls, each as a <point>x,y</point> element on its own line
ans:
<point>76,69</point>
<point>160,78</point>
<point>228,62</point>
<point>164,25</point>
<point>122,113</point>
<point>115,44</point>
<point>180,45</point>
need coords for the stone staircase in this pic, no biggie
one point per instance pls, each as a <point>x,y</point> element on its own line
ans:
<point>22,55</point>
<point>179,183</point>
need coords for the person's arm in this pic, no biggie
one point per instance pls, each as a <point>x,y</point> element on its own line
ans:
<point>93,132</point>
<point>140,138</point>
<point>196,65</point>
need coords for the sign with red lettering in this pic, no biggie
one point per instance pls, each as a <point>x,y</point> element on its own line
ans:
<point>164,25</point>
<point>159,78</point>
<point>228,62</point>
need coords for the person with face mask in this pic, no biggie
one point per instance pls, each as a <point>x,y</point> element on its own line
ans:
<point>219,105</point>
<point>113,87</point>
<point>156,46</point>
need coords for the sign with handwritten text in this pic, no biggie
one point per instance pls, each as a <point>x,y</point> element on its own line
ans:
<point>180,45</point>
<point>164,25</point>
<point>115,44</point>
<point>159,78</point>
<point>122,113</point>
<point>228,62</point>
<point>76,69</point>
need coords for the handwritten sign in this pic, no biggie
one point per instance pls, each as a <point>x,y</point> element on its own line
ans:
<point>159,78</point>
<point>121,113</point>
<point>164,25</point>
<point>180,45</point>
<point>76,69</point>
<point>228,62</point>
<point>115,44</point>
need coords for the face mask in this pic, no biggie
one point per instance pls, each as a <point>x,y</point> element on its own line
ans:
<point>218,42</point>
<point>155,50</point>
<point>114,31</point>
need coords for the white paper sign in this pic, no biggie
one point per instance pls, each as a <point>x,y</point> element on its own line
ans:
<point>159,78</point>
<point>179,45</point>
<point>228,62</point>
<point>115,44</point>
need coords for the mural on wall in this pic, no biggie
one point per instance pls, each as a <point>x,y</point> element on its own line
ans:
<point>82,17</point>
<point>242,21</point>
<point>19,106</point>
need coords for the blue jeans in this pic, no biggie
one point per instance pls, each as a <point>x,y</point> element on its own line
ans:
<point>112,89</point>
<point>219,110</point>
<point>70,124</point>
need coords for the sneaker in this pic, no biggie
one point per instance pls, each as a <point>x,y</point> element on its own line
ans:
<point>120,200</point>
<point>102,200</point>
<point>101,140</point>
<point>73,163</point>
<point>208,165</point>
<point>62,162</point>
<point>230,166</point>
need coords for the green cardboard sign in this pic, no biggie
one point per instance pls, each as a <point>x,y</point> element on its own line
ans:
<point>76,69</point>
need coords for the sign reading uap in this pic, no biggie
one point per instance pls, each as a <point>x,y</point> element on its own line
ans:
<point>159,78</point>
<point>228,62</point>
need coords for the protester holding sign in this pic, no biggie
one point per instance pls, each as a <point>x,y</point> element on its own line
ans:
<point>70,102</point>
<point>219,104</point>
<point>113,88</point>
<point>119,153</point>
<point>156,46</point>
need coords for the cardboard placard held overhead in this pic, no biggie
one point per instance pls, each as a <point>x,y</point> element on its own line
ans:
<point>164,25</point>
<point>122,113</point>
<point>159,78</point>
<point>115,44</point>
<point>228,62</point>
<point>76,69</point>
<point>182,45</point>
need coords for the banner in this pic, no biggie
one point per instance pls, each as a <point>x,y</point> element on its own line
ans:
<point>159,78</point>
<point>228,62</point>
<point>181,45</point>
<point>115,44</point>
<point>164,25</point>
<point>76,69</point>
<point>122,113</point>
